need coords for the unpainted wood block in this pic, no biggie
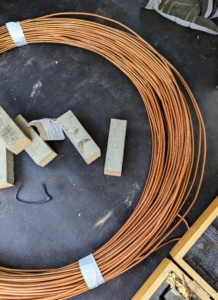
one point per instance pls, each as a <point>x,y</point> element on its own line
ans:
<point>115,148</point>
<point>13,137</point>
<point>40,152</point>
<point>79,137</point>
<point>6,167</point>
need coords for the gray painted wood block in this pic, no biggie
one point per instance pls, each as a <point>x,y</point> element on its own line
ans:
<point>79,137</point>
<point>115,148</point>
<point>40,152</point>
<point>15,140</point>
<point>6,167</point>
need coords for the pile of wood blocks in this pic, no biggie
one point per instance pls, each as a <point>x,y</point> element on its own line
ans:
<point>16,136</point>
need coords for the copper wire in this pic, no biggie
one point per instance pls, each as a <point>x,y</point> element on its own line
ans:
<point>177,163</point>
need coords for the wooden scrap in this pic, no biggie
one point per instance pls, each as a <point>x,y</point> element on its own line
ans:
<point>38,150</point>
<point>6,167</point>
<point>115,148</point>
<point>79,137</point>
<point>13,137</point>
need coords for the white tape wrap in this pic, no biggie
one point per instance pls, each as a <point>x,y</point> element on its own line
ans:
<point>90,271</point>
<point>16,32</point>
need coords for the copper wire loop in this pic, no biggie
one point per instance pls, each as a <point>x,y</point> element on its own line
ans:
<point>177,163</point>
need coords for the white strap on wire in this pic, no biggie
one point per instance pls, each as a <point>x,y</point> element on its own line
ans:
<point>16,33</point>
<point>90,271</point>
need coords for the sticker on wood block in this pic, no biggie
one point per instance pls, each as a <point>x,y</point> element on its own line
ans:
<point>115,148</point>
<point>38,150</point>
<point>15,140</point>
<point>49,130</point>
<point>79,137</point>
<point>6,167</point>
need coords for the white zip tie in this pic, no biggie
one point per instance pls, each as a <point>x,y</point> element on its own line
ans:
<point>90,271</point>
<point>16,33</point>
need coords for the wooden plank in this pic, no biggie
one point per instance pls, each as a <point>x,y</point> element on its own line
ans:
<point>196,230</point>
<point>200,281</point>
<point>189,239</point>
<point>15,140</point>
<point>79,137</point>
<point>6,167</point>
<point>160,275</point>
<point>40,152</point>
<point>115,148</point>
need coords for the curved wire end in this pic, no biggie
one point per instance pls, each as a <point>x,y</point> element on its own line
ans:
<point>49,197</point>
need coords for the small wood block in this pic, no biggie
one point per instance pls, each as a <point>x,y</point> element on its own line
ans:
<point>79,137</point>
<point>115,148</point>
<point>6,167</point>
<point>15,140</point>
<point>40,152</point>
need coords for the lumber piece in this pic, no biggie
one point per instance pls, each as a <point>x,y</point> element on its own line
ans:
<point>79,137</point>
<point>40,152</point>
<point>13,137</point>
<point>115,148</point>
<point>6,167</point>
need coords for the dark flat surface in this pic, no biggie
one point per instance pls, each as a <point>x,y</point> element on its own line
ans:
<point>206,265</point>
<point>73,225</point>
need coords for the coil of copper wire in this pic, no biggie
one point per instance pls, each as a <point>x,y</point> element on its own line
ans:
<point>177,163</point>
